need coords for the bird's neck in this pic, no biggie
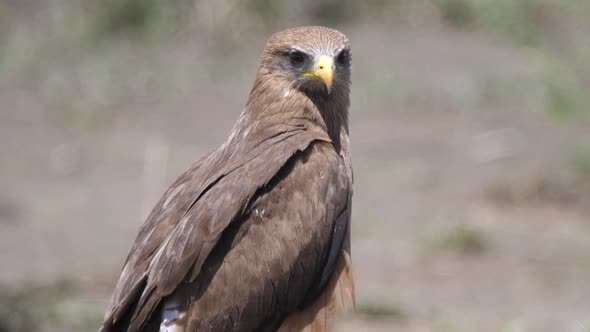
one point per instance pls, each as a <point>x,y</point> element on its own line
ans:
<point>333,110</point>
<point>271,101</point>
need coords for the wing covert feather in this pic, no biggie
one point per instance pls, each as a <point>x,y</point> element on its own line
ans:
<point>275,257</point>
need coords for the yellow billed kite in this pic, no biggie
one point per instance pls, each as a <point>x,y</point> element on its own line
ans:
<point>255,236</point>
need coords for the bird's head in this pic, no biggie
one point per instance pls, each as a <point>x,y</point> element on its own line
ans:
<point>310,59</point>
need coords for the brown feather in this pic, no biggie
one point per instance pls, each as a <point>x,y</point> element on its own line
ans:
<point>336,299</point>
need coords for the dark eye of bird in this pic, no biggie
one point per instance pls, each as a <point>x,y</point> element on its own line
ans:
<point>342,57</point>
<point>296,58</point>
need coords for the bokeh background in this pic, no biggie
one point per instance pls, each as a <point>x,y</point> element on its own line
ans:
<point>470,129</point>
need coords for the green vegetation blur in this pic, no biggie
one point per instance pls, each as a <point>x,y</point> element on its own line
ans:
<point>39,36</point>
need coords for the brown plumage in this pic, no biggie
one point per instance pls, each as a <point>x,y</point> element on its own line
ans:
<point>255,236</point>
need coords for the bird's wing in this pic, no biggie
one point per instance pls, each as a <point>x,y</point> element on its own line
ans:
<point>278,257</point>
<point>187,222</point>
<point>162,220</point>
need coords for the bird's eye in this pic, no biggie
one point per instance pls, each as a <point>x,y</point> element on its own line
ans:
<point>296,58</point>
<point>343,57</point>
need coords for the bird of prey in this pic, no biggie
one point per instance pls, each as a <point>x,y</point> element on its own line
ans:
<point>255,236</point>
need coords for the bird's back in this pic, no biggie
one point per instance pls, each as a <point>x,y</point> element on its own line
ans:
<point>268,264</point>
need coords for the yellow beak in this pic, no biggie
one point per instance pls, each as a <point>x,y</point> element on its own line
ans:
<point>323,71</point>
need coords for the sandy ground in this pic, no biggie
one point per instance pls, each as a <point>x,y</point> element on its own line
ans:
<point>464,219</point>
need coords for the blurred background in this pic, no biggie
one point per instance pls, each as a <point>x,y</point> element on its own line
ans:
<point>470,129</point>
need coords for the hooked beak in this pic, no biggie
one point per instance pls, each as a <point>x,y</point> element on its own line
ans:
<point>323,71</point>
